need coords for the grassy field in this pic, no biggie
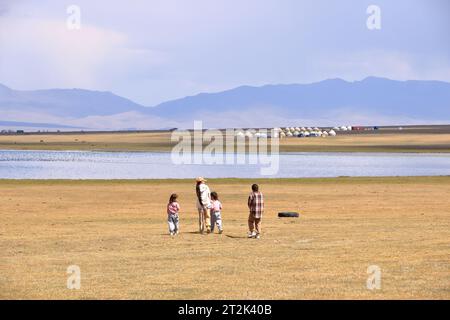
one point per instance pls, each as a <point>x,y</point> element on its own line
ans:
<point>116,232</point>
<point>160,141</point>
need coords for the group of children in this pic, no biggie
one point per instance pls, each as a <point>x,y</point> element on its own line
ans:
<point>255,205</point>
<point>173,210</point>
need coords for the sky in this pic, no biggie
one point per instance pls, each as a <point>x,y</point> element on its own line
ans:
<point>154,51</point>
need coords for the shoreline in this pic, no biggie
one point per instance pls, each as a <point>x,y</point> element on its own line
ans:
<point>342,179</point>
<point>280,152</point>
<point>373,142</point>
<point>318,151</point>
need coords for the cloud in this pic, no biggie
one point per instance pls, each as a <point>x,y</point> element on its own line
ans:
<point>153,51</point>
<point>5,6</point>
<point>62,57</point>
<point>67,58</point>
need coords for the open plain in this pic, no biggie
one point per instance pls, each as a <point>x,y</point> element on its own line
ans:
<point>116,232</point>
<point>413,139</point>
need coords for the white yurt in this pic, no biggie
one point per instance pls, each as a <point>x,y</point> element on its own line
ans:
<point>249,134</point>
<point>289,134</point>
<point>332,133</point>
<point>240,134</point>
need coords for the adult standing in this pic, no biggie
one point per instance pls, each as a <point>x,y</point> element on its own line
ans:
<point>256,208</point>
<point>203,204</point>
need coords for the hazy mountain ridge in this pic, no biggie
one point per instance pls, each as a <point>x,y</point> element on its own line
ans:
<point>427,99</point>
<point>74,103</point>
<point>335,100</point>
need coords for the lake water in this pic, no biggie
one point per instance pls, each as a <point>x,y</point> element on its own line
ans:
<point>152,165</point>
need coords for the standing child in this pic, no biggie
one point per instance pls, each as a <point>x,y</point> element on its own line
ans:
<point>173,208</point>
<point>256,208</point>
<point>216,215</point>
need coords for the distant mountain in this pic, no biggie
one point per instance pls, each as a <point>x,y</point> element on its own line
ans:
<point>17,124</point>
<point>74,103</point>
<point>378,97</point>
<point>4,90</point>
<point>330,102</point>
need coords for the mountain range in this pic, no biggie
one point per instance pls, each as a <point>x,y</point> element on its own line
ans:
<point>371,101</point>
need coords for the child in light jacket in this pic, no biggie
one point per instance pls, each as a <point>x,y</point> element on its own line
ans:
<point>173,209</point>
<point>216,215</point>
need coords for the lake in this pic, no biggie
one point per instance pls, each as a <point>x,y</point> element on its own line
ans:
<point>155,165</point>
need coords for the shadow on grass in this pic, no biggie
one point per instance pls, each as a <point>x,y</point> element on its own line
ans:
<point>195,232</point>
<point>236,237</point>
<point>211,234</point>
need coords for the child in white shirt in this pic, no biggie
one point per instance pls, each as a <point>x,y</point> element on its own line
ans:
<point>216,216</point>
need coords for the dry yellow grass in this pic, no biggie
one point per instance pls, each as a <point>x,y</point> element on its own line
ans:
<point>89,141</point>
<point>371,143</point>
<point>379,142</point>
<point>116,232</point>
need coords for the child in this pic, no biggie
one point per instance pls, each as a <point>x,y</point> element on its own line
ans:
<point>256,208</point>
<point>216,216</point>
<point>173,208</point>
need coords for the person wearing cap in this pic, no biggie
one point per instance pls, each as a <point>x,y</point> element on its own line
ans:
<point>203,205</point>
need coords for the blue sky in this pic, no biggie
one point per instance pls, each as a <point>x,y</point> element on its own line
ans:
<point>152,51</point>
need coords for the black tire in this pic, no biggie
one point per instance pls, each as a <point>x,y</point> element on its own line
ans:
<point>288,215</point>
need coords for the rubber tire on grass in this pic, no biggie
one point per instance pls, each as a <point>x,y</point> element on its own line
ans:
<point>288,215</point>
